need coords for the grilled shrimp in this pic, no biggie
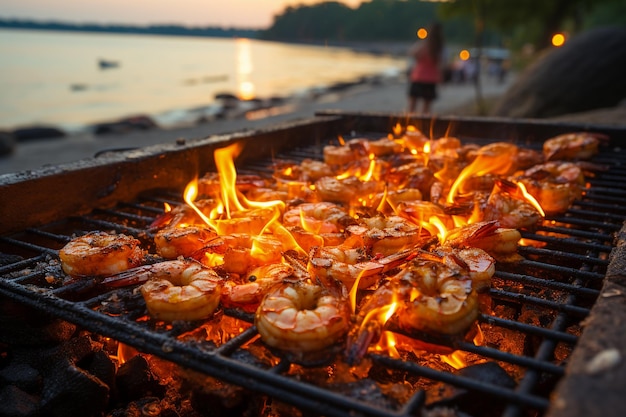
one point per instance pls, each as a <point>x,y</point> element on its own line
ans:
<point>554,184</point>
<point>173,242</point>
<point>384,146</point>
<point>571,146</point>
<point>505,205</point>
<point>499,242</point>
<point>477,263</point>
<point>174,290</point>
<point>302,317</point>
<point>347,264</point>
<point>347,190</point>
<point>436,298</point>
<point>386,235</point>
<point>248,292</point>
<point>313,170</point>
<point>100,254</point>
<point>243,252</point>
<point>183,214</point>
<point>318,218</point>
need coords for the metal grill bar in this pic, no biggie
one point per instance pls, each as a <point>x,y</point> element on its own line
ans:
<point>576,286</point>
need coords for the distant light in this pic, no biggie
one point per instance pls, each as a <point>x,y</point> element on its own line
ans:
<point>558,39</point>
<point>464,55</point>
<point>422,33</point>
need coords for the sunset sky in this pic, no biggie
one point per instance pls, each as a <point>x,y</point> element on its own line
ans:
<point>240,13</point>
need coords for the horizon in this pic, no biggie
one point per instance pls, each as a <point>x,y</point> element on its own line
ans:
<point>249,14</point>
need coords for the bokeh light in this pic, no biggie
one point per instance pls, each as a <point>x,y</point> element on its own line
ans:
<point>464,55</point>
<point>422,33</point>
<point>558,39</point>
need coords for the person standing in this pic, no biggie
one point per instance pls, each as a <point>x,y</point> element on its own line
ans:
<point>427,69</point>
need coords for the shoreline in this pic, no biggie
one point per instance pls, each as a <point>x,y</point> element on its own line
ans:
<point>386,95</point>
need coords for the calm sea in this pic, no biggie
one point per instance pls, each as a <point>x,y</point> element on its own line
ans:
<point>54,77</point>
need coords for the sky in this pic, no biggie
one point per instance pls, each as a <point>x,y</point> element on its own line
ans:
<point>256,14</point>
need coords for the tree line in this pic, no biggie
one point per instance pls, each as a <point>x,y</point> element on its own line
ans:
<point>510,23</point>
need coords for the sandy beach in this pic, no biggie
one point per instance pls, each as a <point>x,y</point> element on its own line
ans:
<point>388,96</point>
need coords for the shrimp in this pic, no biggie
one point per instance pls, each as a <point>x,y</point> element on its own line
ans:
<point>254,285</point>
<point>436,298</point>
<point>347,264</point>
<point>174,290</point>
<point>183,215</point>
<point>243,252</point>
<point>477,263</point>
<point>511,211</point>
<point>555,185</point>
<point>499,242</point>
<point>173,242</point>
<point>413,175</point>
<point>100,254</point>
<point>572,146</point>
<point>302,317</point>
<point>319,218</point>
<point>349,190</point>
<point>384,146</point>
<point>426,295</point>
<point>313,170</point>
<point>386,235</point>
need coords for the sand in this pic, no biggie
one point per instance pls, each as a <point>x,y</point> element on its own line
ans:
<point>389,96</point>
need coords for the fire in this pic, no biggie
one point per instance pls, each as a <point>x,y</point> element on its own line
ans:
<point>453,203</point>
<point>528,197</point>
<point>495,159</point>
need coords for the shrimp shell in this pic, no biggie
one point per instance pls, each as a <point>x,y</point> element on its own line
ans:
<point>100,254</point>
<point>302,317</point>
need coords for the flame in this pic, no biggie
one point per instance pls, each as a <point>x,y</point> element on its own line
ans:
<point>224,158</point>
<point>125,353</point>
<point>495,159</point>
<point>167,208</point>
<point>479,338</point>
<point>528,197</point>
<point>441,227</point>
<point>456,359</point>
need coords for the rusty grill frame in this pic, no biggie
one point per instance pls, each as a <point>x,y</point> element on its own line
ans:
<point>128,185</point>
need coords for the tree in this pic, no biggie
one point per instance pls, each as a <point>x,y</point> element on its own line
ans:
<point>533,20</point>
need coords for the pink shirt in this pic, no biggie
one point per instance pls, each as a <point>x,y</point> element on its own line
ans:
<point>425,70</point>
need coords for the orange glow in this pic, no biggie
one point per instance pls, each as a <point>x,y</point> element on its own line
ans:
<point>558,39</point>
<point>464,55</point>
<point>422,33</point>
<point>167,208</point>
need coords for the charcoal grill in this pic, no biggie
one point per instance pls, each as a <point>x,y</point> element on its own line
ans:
<point>574,281</point>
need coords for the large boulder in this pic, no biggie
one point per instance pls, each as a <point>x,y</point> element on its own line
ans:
<point>588,72</point>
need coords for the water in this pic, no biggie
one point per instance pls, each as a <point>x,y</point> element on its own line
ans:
<point>53,78</point>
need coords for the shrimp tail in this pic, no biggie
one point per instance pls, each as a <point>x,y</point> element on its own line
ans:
<point>359,341</point>
<point>132,276</point>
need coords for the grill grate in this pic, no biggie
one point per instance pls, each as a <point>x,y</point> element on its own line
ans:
<point>559,283</point>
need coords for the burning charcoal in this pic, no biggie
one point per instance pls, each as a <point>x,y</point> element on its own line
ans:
<point>364,390</point>
<point>135,380</point>
<point>102,367</point>
<point>70,391</point>
<point>22,376</point>
<point>467,401</point>
<point>145,407</point>
<point>17,403</point>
